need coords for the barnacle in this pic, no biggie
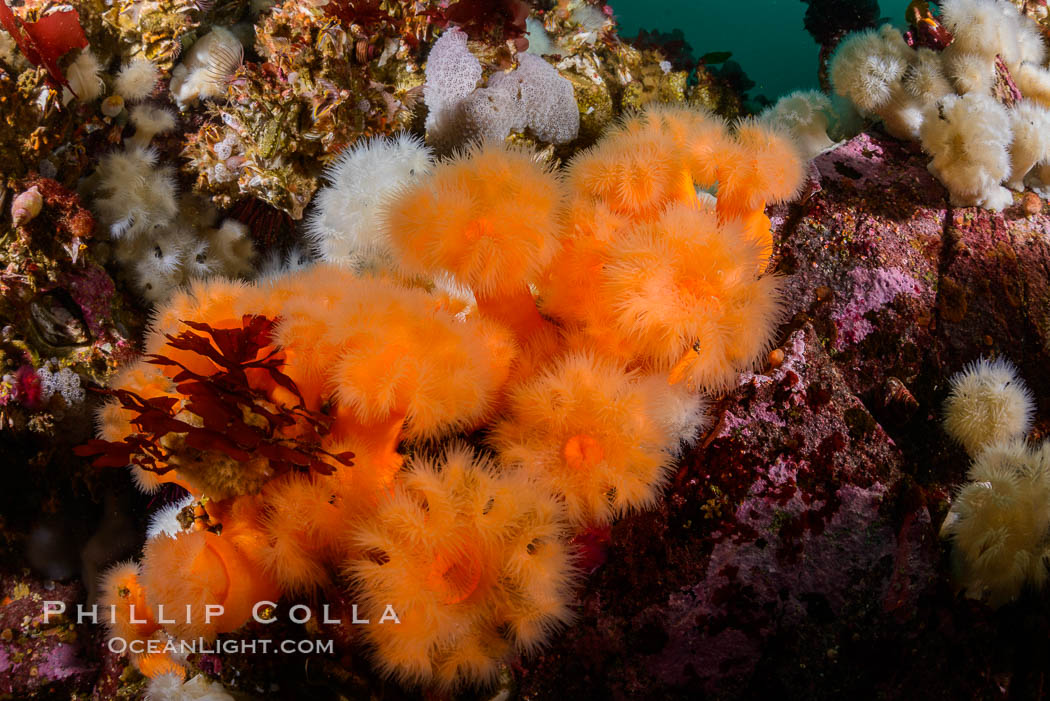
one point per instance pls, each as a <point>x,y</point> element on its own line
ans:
<point>151,28</point>
<point>287,129</point>
<point>207,67</point>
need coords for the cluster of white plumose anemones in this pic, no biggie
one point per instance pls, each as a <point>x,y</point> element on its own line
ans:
<point>982,146</point>
<point>999,521</point>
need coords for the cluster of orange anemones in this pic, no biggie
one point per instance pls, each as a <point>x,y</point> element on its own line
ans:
<point>576,318</point>
<point>656,271</point>
<point>385,362</point>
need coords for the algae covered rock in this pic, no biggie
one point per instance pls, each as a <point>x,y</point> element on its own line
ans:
<point>797,551</point>
<point>41,658</point>
<point>323,82</point>
<point>63,323</point>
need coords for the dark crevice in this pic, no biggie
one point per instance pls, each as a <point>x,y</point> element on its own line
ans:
<point>946,257</point>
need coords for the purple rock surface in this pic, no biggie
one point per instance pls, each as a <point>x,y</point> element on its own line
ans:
<point>39,657</point>
<point>797,553</point>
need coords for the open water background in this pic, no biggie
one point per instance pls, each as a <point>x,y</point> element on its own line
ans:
<point>766,37</point>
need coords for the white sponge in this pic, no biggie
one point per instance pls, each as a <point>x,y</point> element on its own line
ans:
<point>452,73</point>
<point>547,99</point>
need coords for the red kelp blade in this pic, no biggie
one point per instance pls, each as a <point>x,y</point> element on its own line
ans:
<point>112,454</point>
<point>480,17</point>
<point>48,39</point>
<point>222,402</point>
<point>363,12</point>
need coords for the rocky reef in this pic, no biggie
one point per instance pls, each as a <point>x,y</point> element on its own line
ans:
<point>795,549</point>
<point>797,552</point>
<point>61,312</point>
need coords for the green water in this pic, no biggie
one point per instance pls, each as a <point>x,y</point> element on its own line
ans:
<point>765,36</point>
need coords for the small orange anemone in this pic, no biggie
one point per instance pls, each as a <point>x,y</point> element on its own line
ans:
<point>142,378</point>
<point>123,603</point>
<point>216,301</point>
<point>155,664</point>
<point>588,429</point>
<point>114,422</point>
<point>765,168</point>
<point>473,564</point>
<point>405,359</point>
<point>304,333</point>
<point>241,521</point>
<point>489,217</point>
<point>651,160</point>
<point>302,524</point>
<point>634,170</point>
<point>652,273</point>
<point>702,140</point>
<point>185,574</point>
<point>686,297</point>
<point>570,286</point>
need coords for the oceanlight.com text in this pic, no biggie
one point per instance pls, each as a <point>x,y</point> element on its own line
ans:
<point>120,646</point>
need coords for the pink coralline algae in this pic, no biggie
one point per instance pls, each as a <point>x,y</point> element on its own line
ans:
<point>859,476</point>
<point>861,160</point>
<point>38,658</point>
<point>62,661</point>
<point>832,561</point>
<point>92,289</point>
<point>786,373</point>
<point>756,413</point>
<point>777,531</point>
<point>872,290</point>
